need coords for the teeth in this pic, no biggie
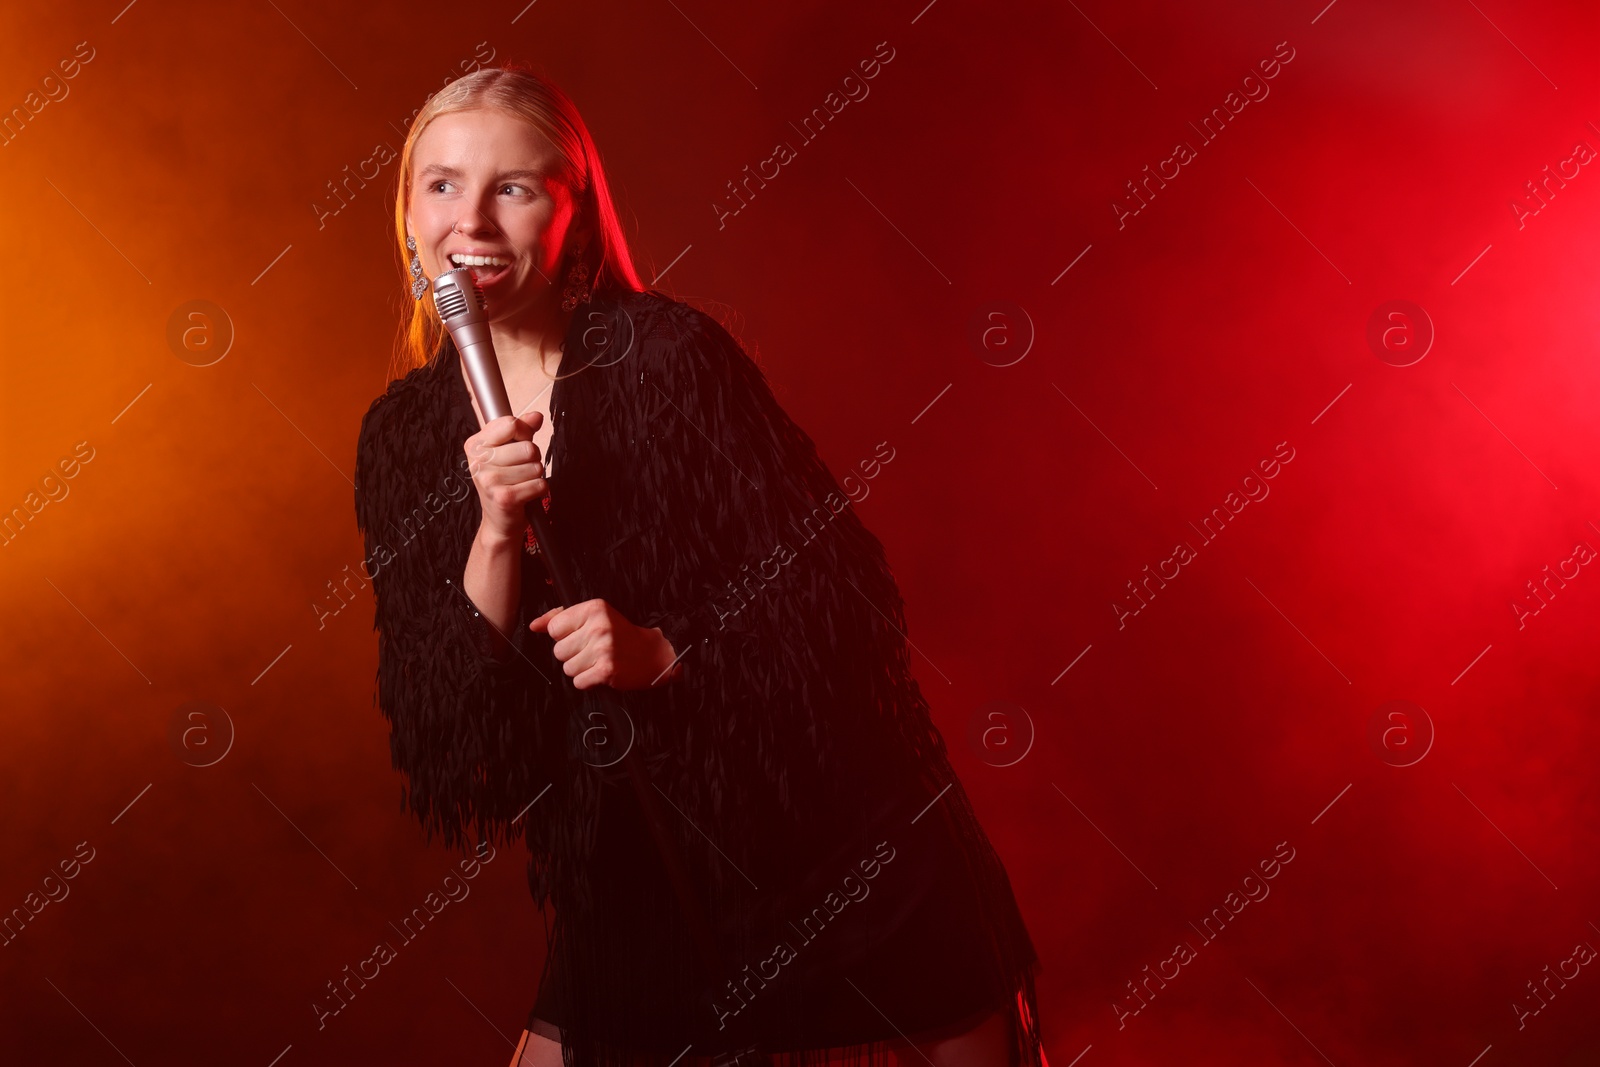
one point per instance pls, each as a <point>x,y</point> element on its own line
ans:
<point>478,261</point>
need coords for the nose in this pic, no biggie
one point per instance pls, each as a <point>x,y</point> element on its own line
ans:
<point>474,219</point>
<point>473,222</point>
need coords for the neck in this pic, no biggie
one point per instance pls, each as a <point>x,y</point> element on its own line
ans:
<point>531,343</point>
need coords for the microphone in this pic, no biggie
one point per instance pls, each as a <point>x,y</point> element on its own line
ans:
<point>461,306</point>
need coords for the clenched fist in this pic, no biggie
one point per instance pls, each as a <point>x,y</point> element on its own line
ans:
<point>597,645</point>
<point>507,471</point>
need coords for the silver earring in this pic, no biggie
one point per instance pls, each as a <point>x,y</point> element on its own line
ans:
<point>419,284</point>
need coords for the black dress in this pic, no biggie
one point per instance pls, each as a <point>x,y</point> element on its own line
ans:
<point>853,896</point>
<point>902,955</point>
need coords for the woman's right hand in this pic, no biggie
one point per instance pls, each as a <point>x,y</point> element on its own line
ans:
<point>508,472</point>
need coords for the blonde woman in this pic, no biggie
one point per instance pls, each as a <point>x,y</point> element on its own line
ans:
<point>740,630</point>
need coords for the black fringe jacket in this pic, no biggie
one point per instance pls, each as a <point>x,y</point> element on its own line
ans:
<point>685,496</point>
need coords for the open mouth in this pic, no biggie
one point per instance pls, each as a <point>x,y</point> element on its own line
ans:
<point>486,270</point>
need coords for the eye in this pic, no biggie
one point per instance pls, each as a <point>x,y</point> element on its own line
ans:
<point>521,188</point>
<point>434,188</point>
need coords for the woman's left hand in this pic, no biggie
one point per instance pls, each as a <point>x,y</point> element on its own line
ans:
<point>597,645</point>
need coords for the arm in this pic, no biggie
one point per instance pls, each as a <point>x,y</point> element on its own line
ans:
<point>493,579</point>
<point>470,715</point>
<point>507,471</point>
<point>597,644</point>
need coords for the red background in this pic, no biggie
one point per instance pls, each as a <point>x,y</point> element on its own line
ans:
<point>1229,715</point>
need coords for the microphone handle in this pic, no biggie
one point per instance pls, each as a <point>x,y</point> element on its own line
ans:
<point>554,561</point>
<point>490,388</point>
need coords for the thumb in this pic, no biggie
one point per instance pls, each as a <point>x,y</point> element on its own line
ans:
<point>542,623</point>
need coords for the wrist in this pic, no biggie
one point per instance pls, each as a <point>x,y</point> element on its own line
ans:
<point>668,664</point>
<point>497,540</point>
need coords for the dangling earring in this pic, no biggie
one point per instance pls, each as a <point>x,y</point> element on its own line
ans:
<point>577,290</point>
<point>419,284</point>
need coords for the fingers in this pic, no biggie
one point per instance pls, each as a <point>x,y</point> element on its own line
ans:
<point>584,641</point>
<point>591,678</point>
<point>563,622</point>
<point>505,453</point>
<point>521,472</point>
<point>598,646</point>
<point>512,497</point>
<point>511,428</point>
<point>507,430</point>
<point>508,470</point>
<point>590,668</point>
<point>593,654</point>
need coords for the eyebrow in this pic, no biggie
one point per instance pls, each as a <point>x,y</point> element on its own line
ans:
<point>444,171</point>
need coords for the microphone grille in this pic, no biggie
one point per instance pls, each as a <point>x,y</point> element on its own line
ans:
<point>450,291</point>
<point>450,302</point>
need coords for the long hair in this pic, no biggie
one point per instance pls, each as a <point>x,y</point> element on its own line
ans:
<point>537,100</point>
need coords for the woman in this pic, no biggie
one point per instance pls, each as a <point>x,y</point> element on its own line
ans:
<point>740,631</point>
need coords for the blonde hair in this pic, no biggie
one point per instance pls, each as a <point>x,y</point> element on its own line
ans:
<point>537,100</point>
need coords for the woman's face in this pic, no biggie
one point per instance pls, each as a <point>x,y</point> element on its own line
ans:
<point>485,183</point>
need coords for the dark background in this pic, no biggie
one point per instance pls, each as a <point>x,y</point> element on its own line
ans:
<point>1139,388</point>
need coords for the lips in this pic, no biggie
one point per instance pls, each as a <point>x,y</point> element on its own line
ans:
<point>483,274</point>
<point>487,275</point>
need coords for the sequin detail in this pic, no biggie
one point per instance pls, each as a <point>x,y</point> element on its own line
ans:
<point>530,543</point>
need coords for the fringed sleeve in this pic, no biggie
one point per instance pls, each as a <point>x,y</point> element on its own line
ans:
<point>468,712</point>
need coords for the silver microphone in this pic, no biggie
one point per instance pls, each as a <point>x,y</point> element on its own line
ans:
<point>462,309</point>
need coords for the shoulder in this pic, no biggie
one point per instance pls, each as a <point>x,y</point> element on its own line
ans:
<point>405,404</point>
<point>404,434</point>
<point>666,337</point>
<point>650,317</point>
<point>651,308</point>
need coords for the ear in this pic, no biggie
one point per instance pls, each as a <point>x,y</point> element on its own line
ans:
<point>582,226</point>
